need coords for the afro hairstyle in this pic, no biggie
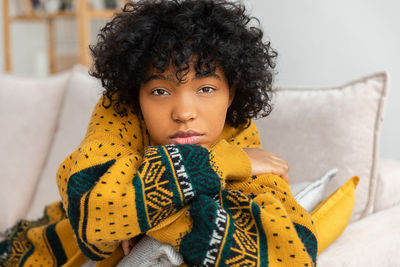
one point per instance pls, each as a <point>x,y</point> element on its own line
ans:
<point>153,34</point>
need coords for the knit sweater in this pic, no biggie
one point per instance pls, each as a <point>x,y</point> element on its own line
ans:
<point>204,202</point>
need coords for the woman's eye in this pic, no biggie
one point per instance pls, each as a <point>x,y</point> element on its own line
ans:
<point>207,89</point>
<point>159,92</point>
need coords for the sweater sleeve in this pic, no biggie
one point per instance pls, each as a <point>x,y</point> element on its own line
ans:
<point>254,221</point>
<point>232,228</point>
<point>111,191</point>
<point>274,197</point>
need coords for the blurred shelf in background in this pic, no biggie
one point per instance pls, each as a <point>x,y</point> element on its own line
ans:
<point>48,11</point>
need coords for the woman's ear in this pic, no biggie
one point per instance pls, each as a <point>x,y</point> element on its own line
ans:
<point>231,95</point>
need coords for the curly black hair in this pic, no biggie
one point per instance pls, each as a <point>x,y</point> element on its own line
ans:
<point>156,33</point>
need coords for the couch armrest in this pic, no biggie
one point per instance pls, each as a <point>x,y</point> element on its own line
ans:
<point>388,185</point>
<point>372,241</point>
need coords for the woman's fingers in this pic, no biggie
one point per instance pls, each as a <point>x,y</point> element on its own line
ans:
<point>263,161</point>
<point>126,246</point>
<point>280,170</point>
<point>283,169</point>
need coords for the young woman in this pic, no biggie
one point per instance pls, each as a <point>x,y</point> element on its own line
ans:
<point>171,151</point>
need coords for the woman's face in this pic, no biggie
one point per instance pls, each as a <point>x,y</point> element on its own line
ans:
<point>190,112</point>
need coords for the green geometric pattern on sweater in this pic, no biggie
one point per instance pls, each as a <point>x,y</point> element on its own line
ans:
<point>170,177</point>
<point>246,232</point>
<point>140,207</point>
<point>55,244</point>
<point>196,244</point>
<point>16,238</point>
<point>309,240</point>
<point>196,160</point>
<point>17,248</point>
<point>153,182</point>
<point>263,249</point>
<point>78,184</point>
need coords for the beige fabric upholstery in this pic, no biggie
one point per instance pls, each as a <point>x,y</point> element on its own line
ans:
<point>388,188</point>
<point>315,130</point>
<point>29,111</point>
<point>370,242</point>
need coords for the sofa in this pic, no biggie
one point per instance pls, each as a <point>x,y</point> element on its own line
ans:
<point>313,129</point>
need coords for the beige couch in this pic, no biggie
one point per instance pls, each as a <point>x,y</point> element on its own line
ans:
<point>315,130</point>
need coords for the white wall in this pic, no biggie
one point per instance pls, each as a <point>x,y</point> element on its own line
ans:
<point>326,43</point>
<point>320,43</point>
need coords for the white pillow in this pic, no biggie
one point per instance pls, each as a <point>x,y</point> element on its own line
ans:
<point>150,252</point>
<point>316,128</point>
<point>310,194</point>
<point>29,109</point>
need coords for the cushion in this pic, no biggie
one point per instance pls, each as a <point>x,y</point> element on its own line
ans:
<point>388,186</point>
<point>29,109</point>
<point>82,93</point>
<point>310,194</point>
<point>316,128</point>
<point>332,215</point>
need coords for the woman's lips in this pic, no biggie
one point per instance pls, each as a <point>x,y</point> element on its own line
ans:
<point>187,140</point>
<point>188,137</point>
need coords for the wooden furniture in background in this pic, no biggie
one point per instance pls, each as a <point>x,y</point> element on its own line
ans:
<point>82,13</point>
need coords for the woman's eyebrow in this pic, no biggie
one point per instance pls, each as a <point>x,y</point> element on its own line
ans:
<point>207,75</point>
<point>170,78</point>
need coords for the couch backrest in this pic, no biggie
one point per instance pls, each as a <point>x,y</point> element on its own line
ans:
<point>29,109</point>
<point>314,130</point>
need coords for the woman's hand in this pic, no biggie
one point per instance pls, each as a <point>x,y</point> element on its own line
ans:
<point>128,244</point>
<point>263,162</point>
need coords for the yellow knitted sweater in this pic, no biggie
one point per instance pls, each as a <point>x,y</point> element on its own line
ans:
<point>204,202</point>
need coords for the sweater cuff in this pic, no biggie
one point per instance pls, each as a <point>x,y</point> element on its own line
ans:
<point>231,160</point>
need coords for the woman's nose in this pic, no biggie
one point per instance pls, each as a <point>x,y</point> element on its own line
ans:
<point>184,110</point>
